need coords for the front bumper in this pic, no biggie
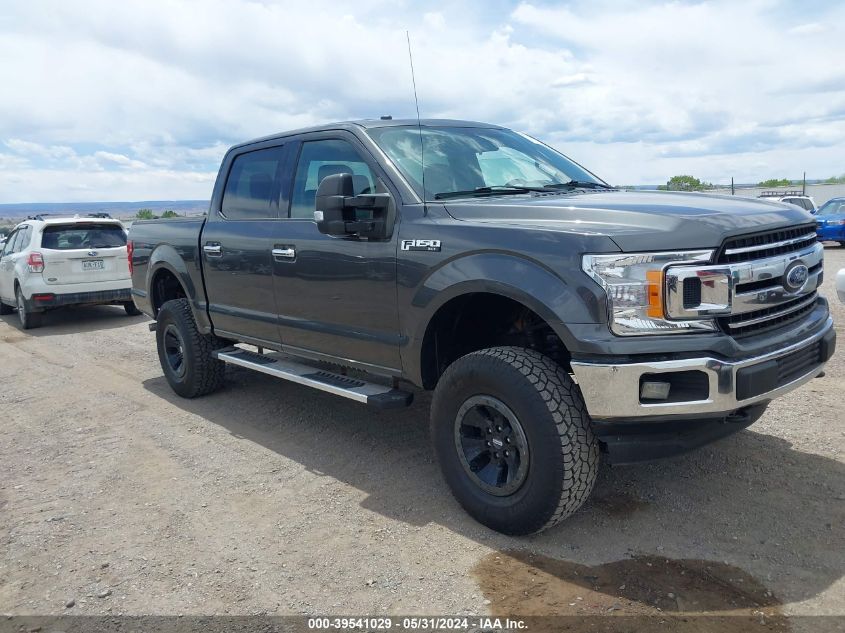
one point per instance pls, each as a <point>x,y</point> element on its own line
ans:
<point>45,300</point>
<point>833,233</point>
<point>612,390</point>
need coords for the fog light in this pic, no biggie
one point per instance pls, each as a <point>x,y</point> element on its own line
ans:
<point>653,390</point>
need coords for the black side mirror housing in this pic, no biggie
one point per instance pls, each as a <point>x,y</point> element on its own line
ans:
<point>336,209</point>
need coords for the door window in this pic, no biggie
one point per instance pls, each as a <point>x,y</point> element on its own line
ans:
<point>254,185</point>
<point>319,159</point>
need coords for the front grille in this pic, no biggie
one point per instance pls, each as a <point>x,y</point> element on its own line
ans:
<point>767,244</point>
<point>760,246</point>
<point>798,363</point>
<point>759,321</point>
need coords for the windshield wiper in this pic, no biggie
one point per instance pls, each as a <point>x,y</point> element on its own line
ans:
<point>578,184</point>
<point>487,191</point>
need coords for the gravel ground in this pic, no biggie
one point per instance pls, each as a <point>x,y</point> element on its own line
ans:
<point>118,497</point>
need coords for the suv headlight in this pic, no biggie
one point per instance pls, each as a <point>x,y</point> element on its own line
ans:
<point>635,287</point>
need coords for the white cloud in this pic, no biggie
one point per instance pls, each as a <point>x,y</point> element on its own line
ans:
<point>115,97</point>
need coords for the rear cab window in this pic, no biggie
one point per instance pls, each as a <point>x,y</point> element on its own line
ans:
<point>63,237</point>
<point>254,185</point>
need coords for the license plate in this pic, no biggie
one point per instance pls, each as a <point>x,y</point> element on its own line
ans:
<point>93,264</point>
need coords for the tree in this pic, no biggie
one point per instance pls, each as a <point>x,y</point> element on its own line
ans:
<point>775,182</point>
<point>836,180</point>
<point>169,213</point>
<point>146,214</point>
<point>685,183</point>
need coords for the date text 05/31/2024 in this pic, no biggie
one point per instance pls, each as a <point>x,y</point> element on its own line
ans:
<point>421,623</point>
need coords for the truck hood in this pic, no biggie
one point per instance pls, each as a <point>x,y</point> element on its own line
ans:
<point>635,220</point>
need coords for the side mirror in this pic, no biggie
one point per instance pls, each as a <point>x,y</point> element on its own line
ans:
<point>338,211</point>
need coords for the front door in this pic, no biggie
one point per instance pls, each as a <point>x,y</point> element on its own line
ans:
<point>236,247</point>
<point>335,296</point>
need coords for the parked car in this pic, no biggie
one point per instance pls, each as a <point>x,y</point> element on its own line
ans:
<point>48,262</point>
<point>830,221</point>
<point>791,197</point>
<point>557,320</point>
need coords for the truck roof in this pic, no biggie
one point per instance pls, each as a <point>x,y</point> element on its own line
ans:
<point>371,123</point>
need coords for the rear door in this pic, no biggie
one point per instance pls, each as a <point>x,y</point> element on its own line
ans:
<point>83,253</point>
<point>236,244</point>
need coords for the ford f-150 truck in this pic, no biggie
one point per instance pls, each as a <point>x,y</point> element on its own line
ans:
<point>557,319</point>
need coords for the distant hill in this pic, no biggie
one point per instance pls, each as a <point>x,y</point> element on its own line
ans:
<point>115,209</point>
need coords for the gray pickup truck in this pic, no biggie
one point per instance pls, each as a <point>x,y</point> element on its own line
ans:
<point>557,319</point>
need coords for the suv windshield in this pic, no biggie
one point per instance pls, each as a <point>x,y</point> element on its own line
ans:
<point>471,161</point>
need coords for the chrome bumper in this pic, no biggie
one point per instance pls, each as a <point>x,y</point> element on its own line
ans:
<point>613,390</point>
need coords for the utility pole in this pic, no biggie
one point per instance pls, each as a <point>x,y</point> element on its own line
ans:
<point>732,186</point>
<point>804,185</point>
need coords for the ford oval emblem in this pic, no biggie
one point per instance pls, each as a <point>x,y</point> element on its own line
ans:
<point>92,253</point>
<point>795,276</point>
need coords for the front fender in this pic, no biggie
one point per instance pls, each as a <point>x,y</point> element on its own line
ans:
<point>557,299</point>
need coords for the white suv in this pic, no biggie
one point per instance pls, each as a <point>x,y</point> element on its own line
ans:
<point>49,262</point>
<point>792,197</point>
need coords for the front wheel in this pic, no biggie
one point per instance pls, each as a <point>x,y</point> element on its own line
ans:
<point>513,439</point>
<point>186,355</point>
<point>28,318</point>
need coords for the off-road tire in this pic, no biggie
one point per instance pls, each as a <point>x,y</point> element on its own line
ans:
<point>131,308</point>
<point>5,309</point>
<point>564,454</point>
<point>201,373</point>
<point>27,318</point>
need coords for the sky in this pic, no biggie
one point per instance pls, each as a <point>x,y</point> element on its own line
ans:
<point>138,100</point>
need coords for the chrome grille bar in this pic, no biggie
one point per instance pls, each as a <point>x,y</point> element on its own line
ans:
<point>764,247</point>
<point>774,315</point>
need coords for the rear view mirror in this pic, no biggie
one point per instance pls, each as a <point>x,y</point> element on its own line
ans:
<point>336,209</point>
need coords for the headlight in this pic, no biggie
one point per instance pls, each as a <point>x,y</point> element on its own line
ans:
<point>634,283</point>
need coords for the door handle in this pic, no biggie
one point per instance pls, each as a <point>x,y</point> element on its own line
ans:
<point>213,250</point>
<point>288,252</point>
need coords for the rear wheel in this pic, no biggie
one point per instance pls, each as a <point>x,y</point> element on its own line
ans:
<point>513,438</point>
<point>4,309</point>
<point>130,308</point>
<point>185,354</point>
<point>28,319</point>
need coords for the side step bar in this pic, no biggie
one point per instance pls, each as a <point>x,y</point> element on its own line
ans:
<point>281,366</point>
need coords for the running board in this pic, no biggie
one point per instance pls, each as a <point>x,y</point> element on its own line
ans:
<point>281,366</point>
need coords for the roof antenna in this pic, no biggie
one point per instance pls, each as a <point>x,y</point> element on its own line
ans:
<point>419,123</point>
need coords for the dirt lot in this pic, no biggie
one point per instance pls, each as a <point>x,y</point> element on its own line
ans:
<point>118,497</point>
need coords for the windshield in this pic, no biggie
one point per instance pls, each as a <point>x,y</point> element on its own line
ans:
<point>834,206</point>
<point>477,161</point>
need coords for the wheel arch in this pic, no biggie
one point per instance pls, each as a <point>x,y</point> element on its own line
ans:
<point>511,279</point>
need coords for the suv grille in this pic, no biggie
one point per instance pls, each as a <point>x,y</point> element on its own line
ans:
<point>747,248</point>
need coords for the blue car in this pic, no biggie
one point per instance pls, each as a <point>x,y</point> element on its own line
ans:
<point>830,221</point>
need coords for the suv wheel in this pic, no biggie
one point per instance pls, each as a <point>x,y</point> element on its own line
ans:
<point>5,309</point>
<point>185,354</point>
<point>513,439</point>
<point>27,318</point>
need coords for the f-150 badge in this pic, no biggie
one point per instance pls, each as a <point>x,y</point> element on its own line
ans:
<point>420,245</point>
